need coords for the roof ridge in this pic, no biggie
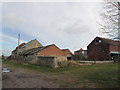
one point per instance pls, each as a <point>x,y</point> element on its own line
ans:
<point>64,49</point>
<point>108,39</point>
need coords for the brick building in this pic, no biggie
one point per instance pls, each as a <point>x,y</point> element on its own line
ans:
<point>25,46</point>
<point>49,50</point>
<point>46,51</point>
<point>15,51</point>
<point>34,48</point>
<point>34,53</point>
<point>67,53</point>
<point>49,55</point>
<point>80,54</point>
<point>103,49</point>
<point>31,44</point>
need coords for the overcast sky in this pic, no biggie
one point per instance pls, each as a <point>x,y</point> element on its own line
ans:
<point>71,25</point>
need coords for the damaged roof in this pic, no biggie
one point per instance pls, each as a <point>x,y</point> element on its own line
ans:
<point>34,50</point>
<point>22,44</point>
<point>30,42</point>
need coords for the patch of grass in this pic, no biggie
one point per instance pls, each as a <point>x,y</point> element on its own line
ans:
<point>105,75</point>
<point>97,75</point>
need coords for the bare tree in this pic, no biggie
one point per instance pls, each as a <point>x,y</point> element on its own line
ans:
<point>111,19</point>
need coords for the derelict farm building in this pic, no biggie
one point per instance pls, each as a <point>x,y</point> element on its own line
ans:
<point>67,53</point>
<point>25,46</point>
<point>33,52</point>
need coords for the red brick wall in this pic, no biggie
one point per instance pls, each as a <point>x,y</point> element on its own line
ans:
<point>114,48</point>
<point>51,51</point>
<point>98,50</point>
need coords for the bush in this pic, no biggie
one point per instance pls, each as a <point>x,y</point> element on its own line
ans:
<point>72,62</point>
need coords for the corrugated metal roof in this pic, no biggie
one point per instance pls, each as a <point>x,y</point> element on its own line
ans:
<point>34,50</point>
<point>30,42</point>
<point>27,43</point>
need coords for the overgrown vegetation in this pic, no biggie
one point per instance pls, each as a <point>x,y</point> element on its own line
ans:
<point>44,69</point>
<point>97,75</point>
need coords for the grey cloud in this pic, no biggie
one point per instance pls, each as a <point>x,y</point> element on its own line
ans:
<point>53,22</point>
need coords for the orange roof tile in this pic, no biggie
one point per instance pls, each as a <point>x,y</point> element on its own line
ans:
<point>67,52</point>
<point>22,44</point>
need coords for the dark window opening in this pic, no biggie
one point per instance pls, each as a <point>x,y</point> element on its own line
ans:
<point>69,58</point>
<point>115,56</point>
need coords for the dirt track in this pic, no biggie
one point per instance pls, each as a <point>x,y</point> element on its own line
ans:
<point>21,78</point>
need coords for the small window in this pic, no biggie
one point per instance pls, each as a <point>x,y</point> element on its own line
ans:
<point>97,40</point>
<point>100,41</point>
<point>82,52</point>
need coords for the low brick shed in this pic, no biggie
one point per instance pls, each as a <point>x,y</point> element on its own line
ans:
<point>52,61</point>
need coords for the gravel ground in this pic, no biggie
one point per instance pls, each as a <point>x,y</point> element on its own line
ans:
<point>21,78</point>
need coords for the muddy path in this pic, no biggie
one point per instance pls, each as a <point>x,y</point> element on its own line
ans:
<point>22,78</point>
